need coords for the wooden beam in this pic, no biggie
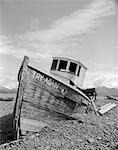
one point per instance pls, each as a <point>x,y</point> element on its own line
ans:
<point>106,107</point>
<point>18,104</point>
<point>95,108</point>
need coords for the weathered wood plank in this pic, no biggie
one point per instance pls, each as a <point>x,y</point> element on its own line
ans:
<point>42,113</point>
<point>106,107</point>
<point>95,108</point>
<point>17,108</point>
<point>31,124</point>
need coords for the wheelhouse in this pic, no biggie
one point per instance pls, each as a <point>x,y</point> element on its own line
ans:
<point>70,71</point>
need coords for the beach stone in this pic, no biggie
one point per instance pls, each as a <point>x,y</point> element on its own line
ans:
<point>99,138</point>
<point>91,140</point>
<point>80,140</point>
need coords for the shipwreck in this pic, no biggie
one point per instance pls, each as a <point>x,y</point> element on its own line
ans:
<point>45,96</point>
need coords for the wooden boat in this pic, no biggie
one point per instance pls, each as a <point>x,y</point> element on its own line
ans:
<point>43,97</point>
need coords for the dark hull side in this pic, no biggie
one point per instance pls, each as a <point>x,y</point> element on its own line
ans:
<point>42,98</point>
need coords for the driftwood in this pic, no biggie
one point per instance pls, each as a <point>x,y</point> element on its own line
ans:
<point>106,108</point>
<point>112,98</point>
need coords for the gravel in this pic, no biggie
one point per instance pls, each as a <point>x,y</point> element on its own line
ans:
<point>92,133</point>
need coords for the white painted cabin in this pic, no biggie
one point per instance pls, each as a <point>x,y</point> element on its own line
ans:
<point>68,70</point>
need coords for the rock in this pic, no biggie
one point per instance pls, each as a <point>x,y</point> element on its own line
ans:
<point>37,134</point>
<point>80,140</point>
<point>91,140</point>
<point>32,136</point>
<point>99,138</point>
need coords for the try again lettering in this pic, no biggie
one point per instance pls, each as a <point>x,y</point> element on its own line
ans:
<point>48,81</point>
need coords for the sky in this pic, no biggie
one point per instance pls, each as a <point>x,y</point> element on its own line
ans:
<point>85,30</point>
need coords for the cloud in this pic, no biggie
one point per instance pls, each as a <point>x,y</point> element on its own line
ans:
<point>108,81</point>
<point>1,68</point>
<point>81,21</point>
<point>8,81</point>
<point>8,47</point>
<point>62,35</point>
<point>101,78</point>
<point>57,38</point>
<point>35,24</point>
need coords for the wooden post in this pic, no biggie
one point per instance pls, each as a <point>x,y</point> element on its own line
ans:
<point>18,104</point>
<point>95,108</point>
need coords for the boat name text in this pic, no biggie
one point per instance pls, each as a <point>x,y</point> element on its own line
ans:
<point>49,81</point>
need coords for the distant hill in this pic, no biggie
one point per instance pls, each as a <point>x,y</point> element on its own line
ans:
<point>101,91</point>
<point>6,90</point>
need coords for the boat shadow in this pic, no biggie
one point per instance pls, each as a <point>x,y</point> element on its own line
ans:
<point>6,128</point>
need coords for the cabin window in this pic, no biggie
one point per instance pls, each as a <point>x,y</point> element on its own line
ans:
<point>62,65</point>
<point>78,73</point>
<point>72,68</point>
<point>54,64</point>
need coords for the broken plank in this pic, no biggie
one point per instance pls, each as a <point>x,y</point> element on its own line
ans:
<point>94,106</point>
<point>106,108</point>
<point>32,125</point>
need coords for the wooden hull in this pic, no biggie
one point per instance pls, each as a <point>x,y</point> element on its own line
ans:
<point>42,98</point>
